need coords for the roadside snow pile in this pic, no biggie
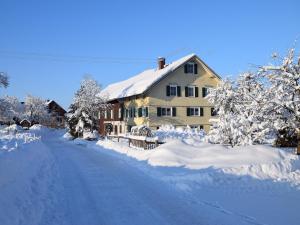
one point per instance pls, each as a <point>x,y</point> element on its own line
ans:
<point>257,161</point>
<point>187,134</point>
<point>14,136</point>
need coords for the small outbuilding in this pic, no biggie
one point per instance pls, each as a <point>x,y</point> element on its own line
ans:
<point>25,123</point>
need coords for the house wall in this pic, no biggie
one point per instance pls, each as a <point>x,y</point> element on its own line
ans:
<point>158,98</point>
<point>136,102</point>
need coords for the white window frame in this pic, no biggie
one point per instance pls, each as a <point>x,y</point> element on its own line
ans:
<point>193,67</point>
<point>112,114</point>
<point>166,109</point>
<point>194,90</point>
<point>173,86</point>
<point>105,114</point>
<point>144,111</point>
<point>192,108</point>
<point>120,113</point>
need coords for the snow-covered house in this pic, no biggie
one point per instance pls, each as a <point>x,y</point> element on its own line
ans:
<point>57,114</point>
<point>169,94</point>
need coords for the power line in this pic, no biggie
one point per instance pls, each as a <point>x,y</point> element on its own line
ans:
<point>72,58</point>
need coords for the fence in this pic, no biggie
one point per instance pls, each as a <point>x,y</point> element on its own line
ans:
<point>136,142</point>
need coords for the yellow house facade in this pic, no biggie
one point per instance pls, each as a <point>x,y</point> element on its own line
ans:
<point>171,94</point>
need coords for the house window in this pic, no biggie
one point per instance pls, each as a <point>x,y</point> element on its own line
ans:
<point>120,113</point>
<point>194,111</point>
<point>112,114</point>
<point>173,90</point>
<point>191,68</point>
<point>120,129</point>
<point>145,111</point>
<point>213,112</point>
<point>201,127</point>
<point>166,111</point>
<point>105,115</point>
<point>191,91</point>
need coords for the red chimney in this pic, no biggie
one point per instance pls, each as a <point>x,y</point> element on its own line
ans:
<point>161,61</point>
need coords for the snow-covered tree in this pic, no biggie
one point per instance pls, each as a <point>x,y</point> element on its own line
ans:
<point>224,99</point>
<point>36,109</point>
<point>10,109</point>
<point>284,97</point>
<point>3,80</point>
<point>86,106</point>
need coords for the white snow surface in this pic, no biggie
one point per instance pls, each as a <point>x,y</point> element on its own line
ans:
<point>52,180</point>
<point>141,82</point>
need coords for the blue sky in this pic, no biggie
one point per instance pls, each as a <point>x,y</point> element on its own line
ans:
<point>46,47</point>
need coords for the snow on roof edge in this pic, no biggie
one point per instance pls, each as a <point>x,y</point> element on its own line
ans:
<point>141,82</point>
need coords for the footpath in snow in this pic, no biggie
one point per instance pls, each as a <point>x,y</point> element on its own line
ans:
<point>45,179</point>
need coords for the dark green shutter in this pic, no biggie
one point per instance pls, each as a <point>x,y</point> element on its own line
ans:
<point>146,112</point>
<point>204,91</point>
<point>168,90</point>
<point>186,92</point>
<point>140,112</point>
<point>174,111</point>
<point>188,111</point>
<point>201,112</point>
<point>195,68</point>
<point>158,111</point>
<point>185,68</point>
<point>196,91</point>
<point>178,91</point>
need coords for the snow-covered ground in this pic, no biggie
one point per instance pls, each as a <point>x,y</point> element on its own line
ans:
<point>47,179</point>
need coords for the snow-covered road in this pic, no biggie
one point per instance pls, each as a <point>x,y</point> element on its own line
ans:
<point>100,188</point>
<point>53,181</point>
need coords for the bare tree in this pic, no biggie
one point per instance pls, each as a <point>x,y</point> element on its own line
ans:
<point>3,80</point>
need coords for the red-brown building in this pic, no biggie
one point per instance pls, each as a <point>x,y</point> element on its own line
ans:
<point>112,120</point>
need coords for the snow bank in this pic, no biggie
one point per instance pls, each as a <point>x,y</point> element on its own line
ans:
<point>257,161</point>
<point>14,136</point>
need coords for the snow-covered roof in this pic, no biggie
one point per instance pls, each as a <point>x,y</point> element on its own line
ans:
<point>141,82</point>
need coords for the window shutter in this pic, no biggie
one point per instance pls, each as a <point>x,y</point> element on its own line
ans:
<point>140,112</point>
<point>188,112</point>
<point>203,92</point>
<point>196,92</point>
<point>186,92</point>
<point>185,68</point>
<point>146,112</point>
<point>174,111</point>
<point>201,112</point>
<point>168,90</point>
<point>178,91</point>
<point>158,111</point>
<point>195,68</point>
<point>122,113</point>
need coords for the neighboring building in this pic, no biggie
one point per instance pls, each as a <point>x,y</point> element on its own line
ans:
<point>25,123</point>
<point>57,119</point>
<point>170,94</point>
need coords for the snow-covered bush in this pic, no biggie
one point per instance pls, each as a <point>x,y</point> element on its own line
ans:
<point>84,111</point>
<point>186,134</point>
